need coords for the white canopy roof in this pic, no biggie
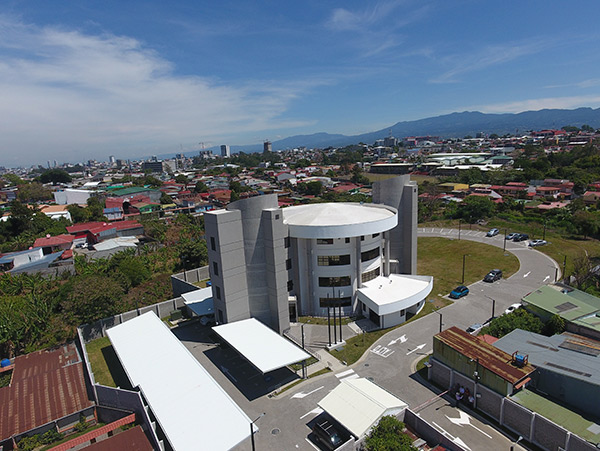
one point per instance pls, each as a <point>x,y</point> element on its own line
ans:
<point>200,301</point>
<point>262,346</point>
<point>190,406</point>
<point>358,404</point>
<point>385,295</point>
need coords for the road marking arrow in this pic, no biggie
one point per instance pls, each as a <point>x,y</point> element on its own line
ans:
<point>417,348</point>
<point>401,339</point>
<point>466,419</point>
<point>462,444</point>
<point>316,411</point>
<point>546,278</point>
<point>304,395</point>
<point>525,275</point>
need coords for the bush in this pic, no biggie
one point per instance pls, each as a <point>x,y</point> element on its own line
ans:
<point>389,435</point>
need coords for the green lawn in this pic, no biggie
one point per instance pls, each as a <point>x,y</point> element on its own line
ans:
<point>442,259</point>
<point>105,363</point>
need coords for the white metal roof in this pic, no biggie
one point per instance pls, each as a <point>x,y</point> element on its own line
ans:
<point>338,220</point>
<point>385,295</point>
<point>358,404</point>
<point>200,301</point>
<point>262,346</point>
<point>190,406</point>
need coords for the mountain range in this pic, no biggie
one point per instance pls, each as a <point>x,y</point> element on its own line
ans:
<point>454,125</point>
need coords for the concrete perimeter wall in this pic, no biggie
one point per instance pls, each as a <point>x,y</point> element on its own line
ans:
<point>183,282</point>
<point>130,401</point>
<point>532,426</point>
<point>98,329</point>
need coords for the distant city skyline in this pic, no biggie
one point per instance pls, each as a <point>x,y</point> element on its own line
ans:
<point>89,80</point>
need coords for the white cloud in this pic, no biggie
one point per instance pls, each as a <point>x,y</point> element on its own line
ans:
<point>487,57</point>
<point>69,96</point>
<point>538,104</point>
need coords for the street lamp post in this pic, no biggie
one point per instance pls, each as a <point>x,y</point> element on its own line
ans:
<point>459,222</point>
<point>304,361</point>
<point>512,447</point>
<point>463,271</point>
<point>504,248</point>
<point>252,429</point>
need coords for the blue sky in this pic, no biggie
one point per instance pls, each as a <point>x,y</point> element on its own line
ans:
<point>88,79</point>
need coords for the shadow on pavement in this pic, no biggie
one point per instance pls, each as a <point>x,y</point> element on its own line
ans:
<point>248,380</point>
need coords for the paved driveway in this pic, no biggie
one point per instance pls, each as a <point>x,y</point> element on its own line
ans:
<point>390,362</point>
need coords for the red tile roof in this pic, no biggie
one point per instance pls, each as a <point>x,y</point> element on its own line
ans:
<point>45,386</point>
<point>53,240</point>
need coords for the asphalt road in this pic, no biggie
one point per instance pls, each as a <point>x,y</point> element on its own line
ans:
<point>389,363</point>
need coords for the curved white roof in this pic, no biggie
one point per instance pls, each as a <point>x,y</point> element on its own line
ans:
<point>338,220</point>
<point>385,295</point>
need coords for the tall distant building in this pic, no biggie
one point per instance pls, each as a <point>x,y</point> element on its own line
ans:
<point>267,147</point>
<point>225,151</point>
<point>112,159</point>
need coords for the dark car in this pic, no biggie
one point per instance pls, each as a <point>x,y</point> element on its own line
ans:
<point>521,237</point>
<point>327,434</point>
<point>493,275</point>
<point>459,292</point>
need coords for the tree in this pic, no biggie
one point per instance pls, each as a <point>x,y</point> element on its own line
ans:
<point>476,207</point>
<point>519,319</point>
<point>201,187</point>
<point>192,253</point>
<point>33,192</point>
<point>95,206</point>
<point>165,199</point>
<point>314,188</point>
<point>586,222</point>
<point>389,435</point>
<point>55,176</point>
<point>89,298</point>
<point>181,179</point>
<point>78,214</point>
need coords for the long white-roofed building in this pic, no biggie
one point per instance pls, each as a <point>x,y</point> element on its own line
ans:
<point>271,263</point>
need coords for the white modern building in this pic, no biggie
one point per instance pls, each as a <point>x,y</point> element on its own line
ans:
<point>273,264</point>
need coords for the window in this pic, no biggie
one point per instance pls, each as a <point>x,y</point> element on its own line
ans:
<point>220,316</point>
<point>218,290</point>
<point>362,237</point>
<point>290,285</point>
<point>213,245</point>
<point>286,242</point>
<point>277,216</point>
<point>402,312</point>
<point>370,275</point>
<point>215,269</point>
<point>335,302</point>
<point>369,255</point>
<point>375,235</point>
<point>342,281</point>
<point>347,240</point>
<point>325,241</point>
<point>333,260</point>
<point>288,263</point>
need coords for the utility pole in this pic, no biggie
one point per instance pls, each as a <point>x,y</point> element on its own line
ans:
<point>463,271</point>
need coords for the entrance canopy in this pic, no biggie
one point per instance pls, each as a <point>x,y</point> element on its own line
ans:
<point>260,345</point>
<point>386,295</point>
<point>359,404</point>
<point>199,301</point>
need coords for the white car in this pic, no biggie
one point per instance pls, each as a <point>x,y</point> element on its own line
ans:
<point>512,308</point>
<point>534,243</point>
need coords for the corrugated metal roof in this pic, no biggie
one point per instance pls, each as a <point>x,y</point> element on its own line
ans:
<point>491,358</point>
<point>45,386</point>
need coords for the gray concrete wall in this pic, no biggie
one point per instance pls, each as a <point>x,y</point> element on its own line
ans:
<point>427,432</point>
<point>533,427</point>
<point>132,402</point>
<point>98,329</point>
<point>229,286</point>
<point>401,194</point>
<point>183,282</point>
<point>276,254</point>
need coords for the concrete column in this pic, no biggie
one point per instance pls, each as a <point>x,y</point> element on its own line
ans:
<point>386,254</point>
<point>357,248</point>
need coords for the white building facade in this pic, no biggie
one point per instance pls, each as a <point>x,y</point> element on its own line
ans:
<point>274,263</point>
